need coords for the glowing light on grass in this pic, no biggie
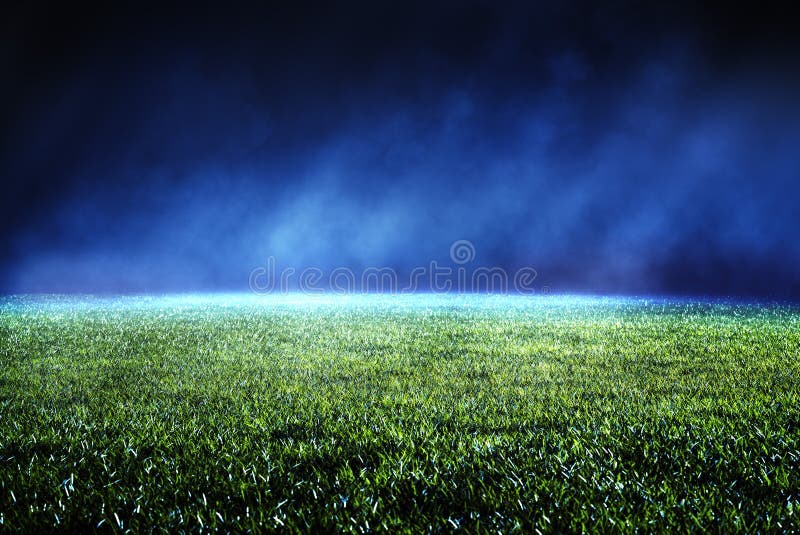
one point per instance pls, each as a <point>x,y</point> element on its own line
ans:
<point>414,408</point>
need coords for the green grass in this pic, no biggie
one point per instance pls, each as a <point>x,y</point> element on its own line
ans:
<point>412,413</point>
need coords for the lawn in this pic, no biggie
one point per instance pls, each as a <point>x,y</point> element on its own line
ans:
<point>402,413</point>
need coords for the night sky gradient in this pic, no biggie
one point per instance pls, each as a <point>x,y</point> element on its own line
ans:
<point>614,147</point>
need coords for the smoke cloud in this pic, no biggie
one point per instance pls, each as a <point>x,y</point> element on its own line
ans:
<point>614,151</point>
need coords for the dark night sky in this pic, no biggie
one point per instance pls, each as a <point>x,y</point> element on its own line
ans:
<point>615,149</point>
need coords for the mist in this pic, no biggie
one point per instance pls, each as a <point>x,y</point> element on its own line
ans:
<point>614,151</point>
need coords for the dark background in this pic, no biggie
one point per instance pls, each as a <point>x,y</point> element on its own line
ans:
<point>614,146</point>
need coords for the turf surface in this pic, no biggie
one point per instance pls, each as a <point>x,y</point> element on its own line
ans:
<point>416,413</point>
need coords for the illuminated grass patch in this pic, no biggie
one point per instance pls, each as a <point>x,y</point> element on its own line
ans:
<point>413,412</point>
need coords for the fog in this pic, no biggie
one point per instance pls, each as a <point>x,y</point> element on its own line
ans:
<point>623,153</point>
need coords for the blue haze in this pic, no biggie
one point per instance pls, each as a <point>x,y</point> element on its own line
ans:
<point>653,167</point>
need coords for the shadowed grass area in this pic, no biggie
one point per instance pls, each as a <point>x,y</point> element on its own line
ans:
<point>415,413</point>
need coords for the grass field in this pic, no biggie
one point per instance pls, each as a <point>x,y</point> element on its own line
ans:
<point>414,413</point>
